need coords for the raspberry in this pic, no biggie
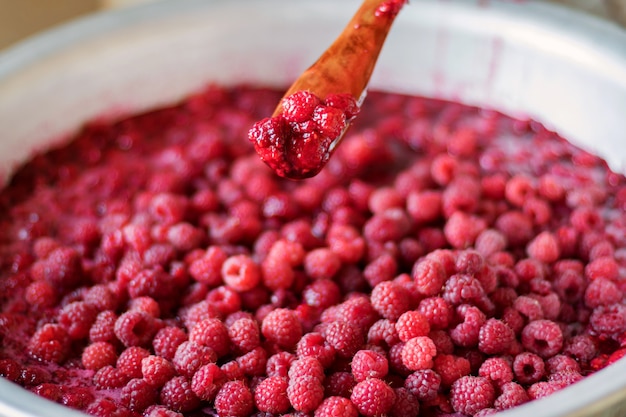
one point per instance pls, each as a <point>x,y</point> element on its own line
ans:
<point>424,206</point>
<point>390,299</point>
<point>244,334</point>
<point>32,375</point>
<point>346,242</point>
<point>61,268</point>
<point>369,364</point>
<point>10,369</point>
<point>490,241</point>
<point>207,269</point>
<point>609,320</point>
<point>343,102</point>
<point>157,370</point>
<point>336,406</point>
<point>167,340</point>
<point>190,356</point>
<point>462,194</point>
<point>495,337</point>
<point>103,407</point>
<point>135,328</point>
<point>373,397</point>
<point>418,353</point>
<point>581,347</point>
<point>305,393</point>
<point>241,273</point>
<point>467,333</point>
<point>77,318</point>
<point>344,337</point>
<point>103,328</point>
<point>605,267</point>
<point>383,268</point>
<point>358,311</point>
<point>322,263</point>
<point>543,337</point>
<point>470,394</point>
<point>177,395</point>
<point>277,273</point>
<point>544,247</point>
<point>308,366</point>
<point>450,368</point>
<point>602,291</point>
<point>279,363</point>
<point>224,300</point>
<point>322,293</point>
<point>542,389</point>
<point>270,395</point>
<point>406,404</point>
<point>563,363</point>
<point>437,311</point>
<point>383,333</point>
<point>528,368</point>
<point>299,106</point>
<point>98,355</point>
<point>109,377</point>
<point>511,395</point>
<point>253,363</point>
<point>281,326</point>
<point>412,324</point>
<point>129,361</point>
<point>41,295</point>
<point>423,384</point>
<point>50,343</point>
<point>497,370</point>
<point>138,395</point>
<point>199,311</point>
<point>563,379</point>
<point>462,229</point>
<point>207,381</point>
<point>77,398</point>
<point>146,304</point>
<point>528,307</point>
<point>160,411</point>
<point>211,333</point>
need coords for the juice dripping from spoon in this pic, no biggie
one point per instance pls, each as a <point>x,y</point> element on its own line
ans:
<point>315,112</point>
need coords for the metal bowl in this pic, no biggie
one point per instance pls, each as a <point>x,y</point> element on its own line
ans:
<point>560,67</point>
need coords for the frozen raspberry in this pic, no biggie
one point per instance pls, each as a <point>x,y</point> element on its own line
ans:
<point>253,363</point>
<point>207,381</point>
<point>50,343</point>
<point>528,368</point>
<point>390,299</point>
<point>605,267</point>
<point>450,368</point>
<point>423,384</point>
<point>424,206</point>
<point>270,395</point>
<point>544,247</point>
<point>177,395</point>
<point>565,378</point>
<point>190,356</point>
<point>212,333</point>
<point>602,291</point>
<point>41,295</point>
<point>563,363</point>
<point>581,347</point>
<point>336,406</point>
<point>10,369</point>
<point>160,411</point>
<point>495,337</point>
<point>138,395</point>
<point>157,370</point>
<point>109,377</point>
<point>135,328</point>
<point>104,407</point>
<point>167,340</point>
<point>497,370</point>
<point>462,229</point>
<point>282,326</point>
<point>412,324</point>
<point>241,273</point>
<point>511,395</point>
<point>609,320</point>
<point>77,318</point>
<point>369,364</point>
<point>61,268</point>
<point>98,355</point>
<point>542,389</point>
<point>344,337</point>
<point>467,333</point>
<point>490,241</point>
<point>418,353</point>
<point>528,307</point>
<point>470,394</point>
<point>543,337</point>
<point>373,397</point>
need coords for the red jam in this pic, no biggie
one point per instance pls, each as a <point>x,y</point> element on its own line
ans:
<point>447,261</point>
<point>298,142</point>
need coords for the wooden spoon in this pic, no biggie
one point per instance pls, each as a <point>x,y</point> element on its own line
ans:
<point>299,149</point>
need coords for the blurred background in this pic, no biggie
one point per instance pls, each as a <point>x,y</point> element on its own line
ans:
<point>21,18</point>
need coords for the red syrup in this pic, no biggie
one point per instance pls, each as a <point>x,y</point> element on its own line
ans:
<point>448,260</point>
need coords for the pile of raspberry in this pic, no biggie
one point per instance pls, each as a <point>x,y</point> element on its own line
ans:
<point>298,142</point>
<point>448,261</point>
